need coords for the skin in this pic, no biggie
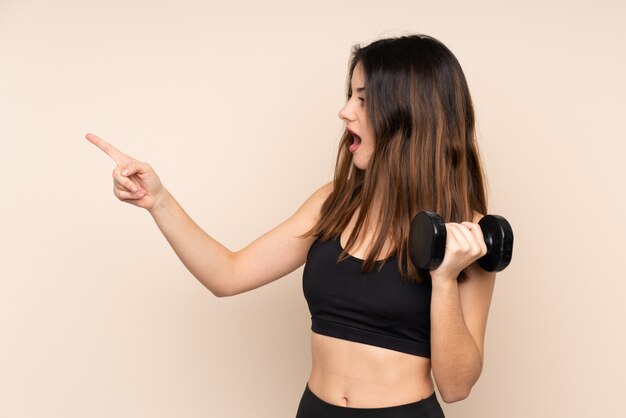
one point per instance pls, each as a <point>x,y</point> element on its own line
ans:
<point>343,373</point>
<point>354,115</point>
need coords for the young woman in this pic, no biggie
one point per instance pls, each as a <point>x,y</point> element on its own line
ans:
<point>384,332</point>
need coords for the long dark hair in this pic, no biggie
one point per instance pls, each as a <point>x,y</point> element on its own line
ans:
<point>425,157</point>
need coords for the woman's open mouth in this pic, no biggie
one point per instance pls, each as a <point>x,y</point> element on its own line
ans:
<point>356,142</point>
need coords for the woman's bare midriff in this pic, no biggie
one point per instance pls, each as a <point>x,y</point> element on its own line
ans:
<point>356,375</point>
<point>347,373</point>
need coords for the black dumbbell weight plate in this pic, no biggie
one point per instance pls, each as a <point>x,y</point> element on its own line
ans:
<point>498,236</point>
<point>427,240</point>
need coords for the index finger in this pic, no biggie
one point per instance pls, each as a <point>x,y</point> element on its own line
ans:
<point>117,155</point>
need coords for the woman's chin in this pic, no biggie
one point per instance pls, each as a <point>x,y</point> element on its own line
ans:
<point>359,164</point>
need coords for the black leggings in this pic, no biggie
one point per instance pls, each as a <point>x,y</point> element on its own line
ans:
<point>313,407</point>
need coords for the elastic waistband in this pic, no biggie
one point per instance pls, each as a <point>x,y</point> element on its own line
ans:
<point>313,406</point>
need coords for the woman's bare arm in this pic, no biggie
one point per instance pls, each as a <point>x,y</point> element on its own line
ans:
<point>225,273</point>
<point>459,312</point>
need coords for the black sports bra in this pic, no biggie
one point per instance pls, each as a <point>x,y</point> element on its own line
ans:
<point>376,308</point>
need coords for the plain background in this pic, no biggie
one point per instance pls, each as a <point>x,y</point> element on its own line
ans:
<point>235,106</point>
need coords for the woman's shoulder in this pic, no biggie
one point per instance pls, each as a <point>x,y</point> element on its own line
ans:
<point>310,211</point>
<point>327,188</point>
<point>320,195</point>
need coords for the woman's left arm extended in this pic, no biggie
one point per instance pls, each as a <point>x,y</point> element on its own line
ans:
<point>458,313</point>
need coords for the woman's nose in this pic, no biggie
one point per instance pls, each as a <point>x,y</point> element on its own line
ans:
<point>344,113</point>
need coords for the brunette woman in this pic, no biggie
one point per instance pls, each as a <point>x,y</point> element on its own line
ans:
<point>383,332</point>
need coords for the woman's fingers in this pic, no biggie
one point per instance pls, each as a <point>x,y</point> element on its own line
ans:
<point>134,182</point>
<point>464,245</point>
<point>123,182</point>
<point>477,231</point>
<point>118,156</point>
<point>466,238</point>
<point>126,195</point>
<point>134,167</point>
<point>457,241</point>
<point>463,239</point>
<point>133,189</point>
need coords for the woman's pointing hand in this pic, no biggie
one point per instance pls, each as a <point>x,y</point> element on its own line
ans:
<point>134,182</point>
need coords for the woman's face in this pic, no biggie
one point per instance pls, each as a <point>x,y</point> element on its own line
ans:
<point>354,114</point>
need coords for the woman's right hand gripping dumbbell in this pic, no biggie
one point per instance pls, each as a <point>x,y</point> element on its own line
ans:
<point>134,182</point>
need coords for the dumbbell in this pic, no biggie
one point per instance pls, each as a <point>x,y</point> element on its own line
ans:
<point>427,241</point>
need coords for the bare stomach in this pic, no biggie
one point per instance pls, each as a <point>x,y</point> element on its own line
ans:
<point>356,375</point>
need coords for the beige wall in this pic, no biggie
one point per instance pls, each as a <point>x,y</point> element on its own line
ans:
<point>235,105</point>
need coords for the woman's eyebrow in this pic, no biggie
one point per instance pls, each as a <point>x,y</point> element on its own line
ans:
<point>360,89</point>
